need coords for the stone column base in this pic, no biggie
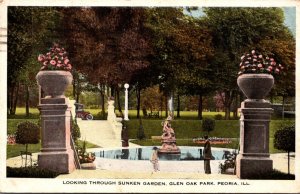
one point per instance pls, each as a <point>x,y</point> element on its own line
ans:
<point>61,162</point>
<point>247,167</point>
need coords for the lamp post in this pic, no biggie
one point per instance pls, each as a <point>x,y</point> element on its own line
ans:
<point>126,86</point>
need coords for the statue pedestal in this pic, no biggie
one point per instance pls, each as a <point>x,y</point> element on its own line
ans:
<point>56,153</point>
<point>254,157</point>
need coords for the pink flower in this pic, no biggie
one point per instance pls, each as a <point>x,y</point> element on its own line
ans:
<point>277,70</point>
<point>58,61</point>
<point>259,65</point>
<point>253,51</point>
<point>260,56</point>
<point>242,57</point>
<point>59,65</point>
<point>66,61</point>
<point>254,59</point>
<point>271,59</point>
<point>246,62</point>
<point>45,63</point>
<point>40,58</point>
<point>52,62</point>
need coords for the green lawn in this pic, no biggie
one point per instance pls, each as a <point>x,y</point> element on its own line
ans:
<point>14,150</point>
<point>186,128</point>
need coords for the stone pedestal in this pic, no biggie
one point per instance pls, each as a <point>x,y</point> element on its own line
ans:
<point>56,153</point>
<point>254,157</point>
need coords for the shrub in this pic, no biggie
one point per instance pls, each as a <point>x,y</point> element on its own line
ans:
<point>27,133</point>
<point>30,172</point>
<point>208,124</point>
<point>273,175</point>
<point>75,130</point>
<point>218,117</point>
<point>102,115</point>
<point>284,139</point>
<point>84,156</point>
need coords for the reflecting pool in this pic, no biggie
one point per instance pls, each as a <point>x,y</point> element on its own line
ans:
<point>144,153</point>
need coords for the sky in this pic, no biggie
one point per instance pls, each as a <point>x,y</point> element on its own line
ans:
<point>289,14</point>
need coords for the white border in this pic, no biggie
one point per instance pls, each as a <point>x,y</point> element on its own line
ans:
<point>12,185</point>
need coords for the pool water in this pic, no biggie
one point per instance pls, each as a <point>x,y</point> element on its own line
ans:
<point>144,153</point>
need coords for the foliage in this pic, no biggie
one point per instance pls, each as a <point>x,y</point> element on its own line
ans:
<point>273,175</point>
<point>75,130</point>
<point>112,41</point>
<point>284,139</point>
<point>29,29</point>
<point>30,172</point>
<point>151,98</point>
<point>256,63</point>
<point>27,133</point>
<point>208,124</point>
<point>230,162</point>
<point>237,30</point>
<point>55,59</point>
<point>84,156</point>
<point>218,117</point>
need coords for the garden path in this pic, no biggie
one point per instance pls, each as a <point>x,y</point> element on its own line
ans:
<point>99,132</point>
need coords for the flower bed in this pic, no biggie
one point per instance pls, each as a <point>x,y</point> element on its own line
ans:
<point>213,140</point>
<point>11,139</point>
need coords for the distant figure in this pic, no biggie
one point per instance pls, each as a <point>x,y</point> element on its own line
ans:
<point>154,159</point>
<point>207,155</point>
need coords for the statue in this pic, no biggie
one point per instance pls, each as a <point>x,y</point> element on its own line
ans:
<point>168,138</point>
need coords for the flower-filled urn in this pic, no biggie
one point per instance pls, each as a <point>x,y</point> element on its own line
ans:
<point>54,76</point>
<point>255,76</point>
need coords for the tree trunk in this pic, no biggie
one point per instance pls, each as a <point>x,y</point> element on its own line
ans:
<point>26,155</point>
<point>102,90</point>
<point>227,102</point>
<point>288,162</point>
<point>178,106</point>
<point>119,103</point>
<point>138,99</point>
<point>236,102</point>
<point>27,101</point>
<point>200,107</point>
<point>166,100</point>
<point>11,89</point>
<point>283,102</point>
<point>161,105</point>
<point>15,100</point>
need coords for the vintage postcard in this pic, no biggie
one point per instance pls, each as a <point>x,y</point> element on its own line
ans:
<point>129,96</point>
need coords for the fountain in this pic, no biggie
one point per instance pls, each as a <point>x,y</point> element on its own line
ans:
<point>168,139</point>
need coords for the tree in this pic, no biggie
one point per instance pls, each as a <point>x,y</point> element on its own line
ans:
<point>208,124</point>
<point>29,30</point>
<point>107,44</point>
<point>235,31</point>
<point>182,46</point>
<point>284,139</point>
<point>27,133</point>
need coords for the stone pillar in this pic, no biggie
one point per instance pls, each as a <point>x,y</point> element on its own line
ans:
<point>254,157</point>
<point>56,153</point>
